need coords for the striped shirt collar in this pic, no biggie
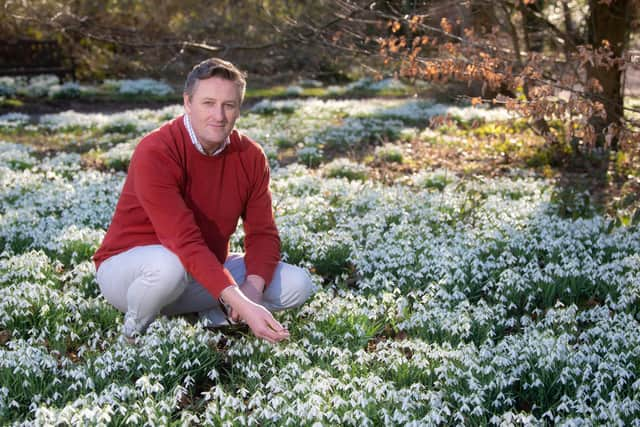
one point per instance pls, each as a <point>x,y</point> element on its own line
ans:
<point>196,143</point>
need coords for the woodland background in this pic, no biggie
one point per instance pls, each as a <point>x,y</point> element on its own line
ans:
<point>545,58</point>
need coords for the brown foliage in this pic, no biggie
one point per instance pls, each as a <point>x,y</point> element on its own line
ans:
<point>538,86</point>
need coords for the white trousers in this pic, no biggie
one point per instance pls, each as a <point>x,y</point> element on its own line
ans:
<point>146,281</point>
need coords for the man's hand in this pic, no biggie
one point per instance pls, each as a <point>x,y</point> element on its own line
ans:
<point>260,320</point>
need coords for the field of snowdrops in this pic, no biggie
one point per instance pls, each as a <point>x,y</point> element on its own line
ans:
<point>441,299</point>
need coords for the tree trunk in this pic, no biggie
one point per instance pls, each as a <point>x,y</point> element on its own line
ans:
<point>611,23</point>
<point>482,15</point>
<point>534,28</point>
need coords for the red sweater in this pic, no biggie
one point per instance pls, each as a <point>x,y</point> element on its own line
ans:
<point>190,203</point>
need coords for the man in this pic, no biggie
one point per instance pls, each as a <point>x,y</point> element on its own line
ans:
<point>166,250</point>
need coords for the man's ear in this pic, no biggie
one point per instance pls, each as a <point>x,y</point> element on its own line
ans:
<point>186,99</point>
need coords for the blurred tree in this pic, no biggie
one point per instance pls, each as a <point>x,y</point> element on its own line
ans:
<point>546,59</point>
<point>609,28</point>
<point>562,59</point>
<point>120,37</point>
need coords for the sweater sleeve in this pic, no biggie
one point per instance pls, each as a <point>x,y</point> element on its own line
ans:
<point>157,176</point>
<point>261,242</point>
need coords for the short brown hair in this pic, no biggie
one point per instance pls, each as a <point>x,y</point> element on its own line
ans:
<point>215,67</point>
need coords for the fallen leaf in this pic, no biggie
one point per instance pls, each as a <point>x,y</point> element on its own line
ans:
<point>5,336</point>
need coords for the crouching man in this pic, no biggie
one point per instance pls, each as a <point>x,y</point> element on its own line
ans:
<point>167,248</point>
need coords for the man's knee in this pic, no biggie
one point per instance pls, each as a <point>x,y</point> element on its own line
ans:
<point>166,272</point>
<point>297,286</point>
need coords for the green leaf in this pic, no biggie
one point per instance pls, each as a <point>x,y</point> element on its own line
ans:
<point>610,226</point>
<point>635,219</point>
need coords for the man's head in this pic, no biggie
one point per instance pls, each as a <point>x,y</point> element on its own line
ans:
<point>212,96</point>
<point>215,67</point>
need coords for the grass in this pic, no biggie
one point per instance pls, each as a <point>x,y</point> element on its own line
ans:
<point>10,102</point>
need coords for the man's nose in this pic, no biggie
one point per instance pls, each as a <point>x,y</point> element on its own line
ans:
<point>218,113</point>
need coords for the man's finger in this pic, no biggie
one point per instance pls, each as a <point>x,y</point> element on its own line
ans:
<point>272,335</point>
<point>274,325</point>
<point>268,335</point>
<point>278,334</point>
<point>233,315</point>
<point>271,340</point>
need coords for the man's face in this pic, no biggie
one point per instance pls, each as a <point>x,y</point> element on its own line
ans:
<point>213,110</point>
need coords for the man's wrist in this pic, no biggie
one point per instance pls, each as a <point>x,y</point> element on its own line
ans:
<point>224,296</point>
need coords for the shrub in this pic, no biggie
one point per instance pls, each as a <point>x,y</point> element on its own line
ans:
<point>13,120</point>
<point>310,156</point>
<point>333,263</point>
<point>345,168</point>
<point>66,90</point>
<point>139,87</point>
<point>389,153</point>
<point>7,86</point>
<point>437,180</point>
<point>310,83</point>
<point>293,91</point>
